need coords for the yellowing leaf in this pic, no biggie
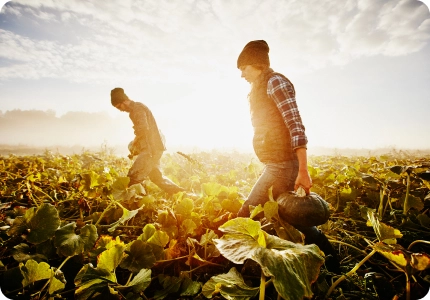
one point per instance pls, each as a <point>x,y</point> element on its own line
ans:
<point>395,253</point>
<point>420,261</point>
<point>33,271</point>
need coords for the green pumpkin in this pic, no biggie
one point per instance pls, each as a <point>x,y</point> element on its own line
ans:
<point>308,210</point>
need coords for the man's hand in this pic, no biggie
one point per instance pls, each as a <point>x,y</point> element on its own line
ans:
<point>303,180</point>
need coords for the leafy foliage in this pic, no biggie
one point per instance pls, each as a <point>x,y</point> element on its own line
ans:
<point>71,227</point>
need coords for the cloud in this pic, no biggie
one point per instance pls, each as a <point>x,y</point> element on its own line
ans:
<point>100,40</point>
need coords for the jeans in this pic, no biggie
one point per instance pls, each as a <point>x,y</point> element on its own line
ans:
<point>281,176</point>
<point>149,165</point>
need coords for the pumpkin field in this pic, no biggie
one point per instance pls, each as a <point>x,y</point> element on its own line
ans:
<point>71,228</point>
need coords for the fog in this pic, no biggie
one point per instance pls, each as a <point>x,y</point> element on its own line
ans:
<point>29,132</point>
<point>35,128</point>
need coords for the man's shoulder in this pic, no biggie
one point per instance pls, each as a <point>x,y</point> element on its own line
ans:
<point>138,106</point>
<point>278,76</point>
<point>277,79</point>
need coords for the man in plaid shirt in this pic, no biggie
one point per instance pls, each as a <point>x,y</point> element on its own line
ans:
<point>279,138</point>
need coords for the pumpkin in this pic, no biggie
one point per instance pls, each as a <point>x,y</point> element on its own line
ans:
<point>307,210</point>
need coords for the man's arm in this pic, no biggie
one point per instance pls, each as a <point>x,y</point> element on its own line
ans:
<point>141,128</point>
<point>283,94</point>
<point>303,178</point>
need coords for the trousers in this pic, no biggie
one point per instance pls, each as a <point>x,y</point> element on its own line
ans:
<point>281,177</point>
<point>147,165</point>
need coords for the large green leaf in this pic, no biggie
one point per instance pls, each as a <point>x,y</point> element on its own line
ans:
<point>68,243</point>
<point>293,267</point>
<point>141,281</point>
<point>41,223</point>
<point>230,285</point>
<point>138,256</point>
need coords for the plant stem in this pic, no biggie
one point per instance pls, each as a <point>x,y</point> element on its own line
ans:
<point>62,264</point>
<point>408,186</point>
<point>262,286</point>
<point>416,242</point>
<point>129,278</point>
<point>357,266</point>
<point>103,213</point>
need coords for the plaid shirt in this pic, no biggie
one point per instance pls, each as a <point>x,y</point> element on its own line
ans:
<point>282,92</point>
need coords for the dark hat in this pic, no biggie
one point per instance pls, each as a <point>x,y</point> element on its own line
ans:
<point>117,96</point>
<point>254,53</point>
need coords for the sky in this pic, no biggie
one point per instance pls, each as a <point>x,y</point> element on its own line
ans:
<point>361,68</point>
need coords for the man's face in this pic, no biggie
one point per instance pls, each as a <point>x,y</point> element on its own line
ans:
<point>249,73</point>
<point>121,106</point>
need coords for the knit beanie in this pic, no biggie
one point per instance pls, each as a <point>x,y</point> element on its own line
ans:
<point>255,52</point>
<point>117,96</point>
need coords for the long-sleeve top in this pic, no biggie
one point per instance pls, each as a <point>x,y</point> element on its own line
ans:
<point>148,138</point>
<point>283,94</point>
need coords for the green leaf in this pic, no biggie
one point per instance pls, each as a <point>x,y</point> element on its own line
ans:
<point>255,210</point>
<point>189,287</point>
<point>57,283</point>
<point>214,189</point>
<point>385,233</point>
<point>293,267</point>
<point>231,205</point>
<point>208,238</point>
<point>148,231</point>
<point>424,220</point>
<point>270,209</point>
<point>68,243</point>
<point>96,275</point>
<point>126,215</point>
<point>159,238</point>
<point>93,281</point>
<point>230,285</point>
<point>141,281</point>
<point>138,256</point>
<point>242,226</point>
<point>41,223</point>
<point>414,202</point>
<point>21,253</point>
<point>182,285</point>
<point>121,191</point>
<point>111,258</point>
<point>184,207</point>
<point>188,227</point>
<point>91,179</point>
<point>33,271</point>
<point>170,285</point>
